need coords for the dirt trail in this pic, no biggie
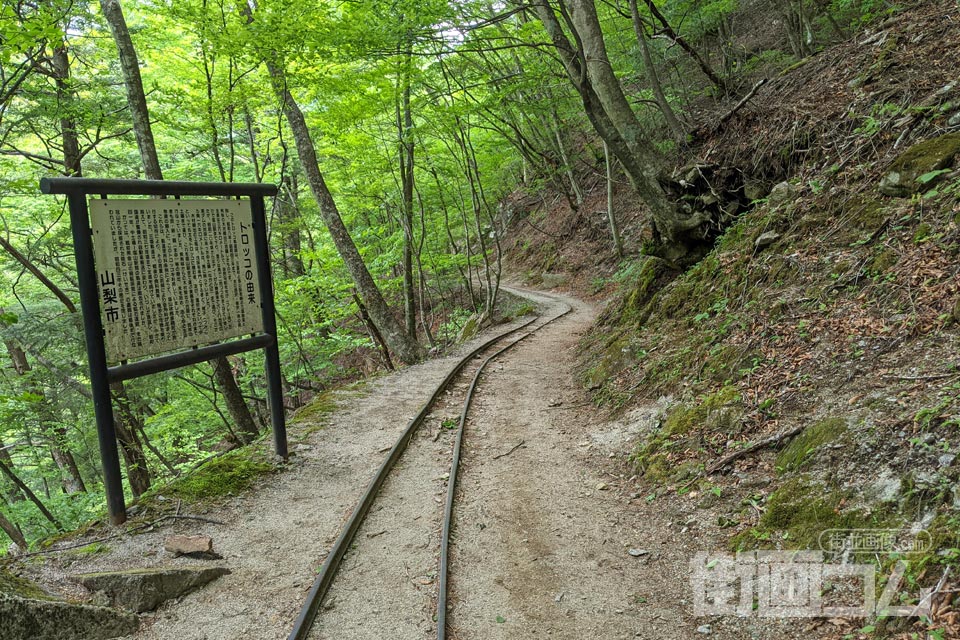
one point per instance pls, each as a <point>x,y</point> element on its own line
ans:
<point>542,533</point>
<point>276,535</point>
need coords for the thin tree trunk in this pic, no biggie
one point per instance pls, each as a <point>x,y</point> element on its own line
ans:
<point>374,332</point>
<point>568,168</point>
<point>149,445</point>
<point>464,274</point>
<point>27,264</point>
<point>289,218</point>
<point>614,227</point>
<point>693,53</point>
<point>405,128</point>
<point>236,405</point>
<point>13,494</point>
<point>138,471</point>
<point>398,340</point>
<point>421,276</point>
<point>658,95</point>
<point>136,99</point>
<point>13,532</point>
<point>68,126</point>
<point>31,496</point>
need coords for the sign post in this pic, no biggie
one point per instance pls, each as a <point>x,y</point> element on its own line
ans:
<point>169,276</point>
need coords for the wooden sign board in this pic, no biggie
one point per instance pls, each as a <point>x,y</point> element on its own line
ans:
<point>174,274</point>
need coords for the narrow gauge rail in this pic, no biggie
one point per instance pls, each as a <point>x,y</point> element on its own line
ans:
<point>308,613</point>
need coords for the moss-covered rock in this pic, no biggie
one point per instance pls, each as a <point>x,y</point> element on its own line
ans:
<point>903,178</point>
<point>801,449</point>
<point>11,585</point>
<point>637,293</point>
<point>714,411</point>
<point>145,589</point>
<point>22,618</point>
<point>798,512</point>
<point>469,328</point>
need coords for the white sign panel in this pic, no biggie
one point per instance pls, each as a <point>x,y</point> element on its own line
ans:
<point>174,274</point>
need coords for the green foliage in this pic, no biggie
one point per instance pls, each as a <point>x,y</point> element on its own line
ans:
<point>858,13</point>
<point>227,475</point>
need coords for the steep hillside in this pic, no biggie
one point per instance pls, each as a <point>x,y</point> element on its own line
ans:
<point>804,375</point>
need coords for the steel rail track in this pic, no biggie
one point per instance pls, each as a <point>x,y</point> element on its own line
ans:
<point>327,573</point>
<point>452,482</point>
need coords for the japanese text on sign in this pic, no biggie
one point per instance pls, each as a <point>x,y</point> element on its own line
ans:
<point>174,274</point>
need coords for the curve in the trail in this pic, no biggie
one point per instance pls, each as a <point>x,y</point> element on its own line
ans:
<point>325,576</point>
<point>452,483</point>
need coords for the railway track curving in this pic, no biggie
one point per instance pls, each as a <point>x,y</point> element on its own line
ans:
<point>481,356</point>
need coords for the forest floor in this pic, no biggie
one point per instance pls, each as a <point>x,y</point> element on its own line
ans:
<point>550,538</point>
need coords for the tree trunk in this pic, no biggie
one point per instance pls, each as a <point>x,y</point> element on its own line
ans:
<point>68,126</point>
<point>405,128</point>
<point>13,494</point>
<point>586,26</point>
<point>658,95</point>
<point>670,227</point>
<point>614,227</point>
<point>399,341</point>
<point>27,264</point>
<point>136,99</point>
<point>374,332</point>
<point>13,532</point>
<point>7,471</point>
<point>289,218</point>
<point>568,168</point>
<point>135,460</point>
<point>236,405</point>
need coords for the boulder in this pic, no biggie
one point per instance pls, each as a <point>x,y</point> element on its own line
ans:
<point>782,194</point>
<point>902,179</point>
<point>469,329</point>
<point>145,589</point>
<point>188,545</point>
<point>755,189</point>
<point>56,620</point>
<point>766,239</point>
<point>554,280</point>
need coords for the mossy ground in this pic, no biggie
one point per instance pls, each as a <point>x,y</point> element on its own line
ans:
<point>323,404</point>
<point>800,450</point>
<point>797,514</point>
<point>226,475</point>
